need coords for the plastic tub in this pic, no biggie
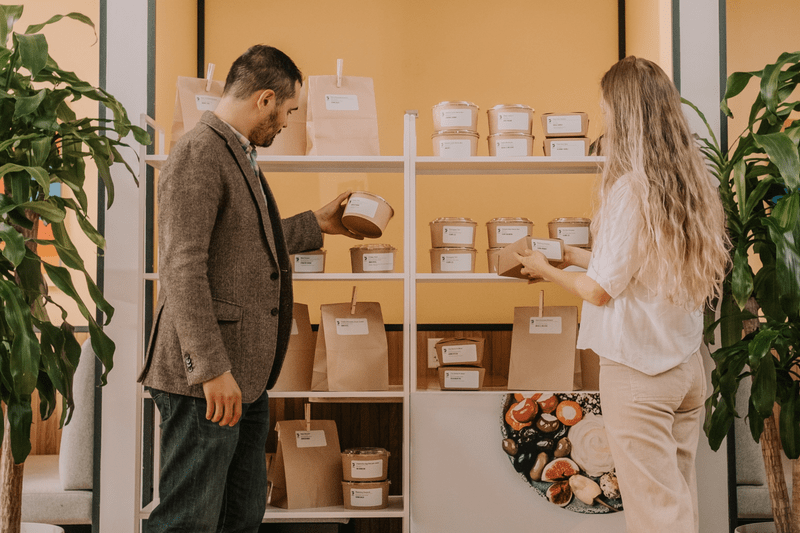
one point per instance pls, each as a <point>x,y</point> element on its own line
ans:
<point>365,464</point>
<point>453,232</point>
<point>461,377</point>
<point>505,230</point>
<point>507,118</point>
<point>455,143</point>
<point>312,262</point>
<point>566,148</point>
<point>455,116</point>
<point>453,260</point>
<point>366,258</point>
<point>367,214</point>
<point>574,231</point>
<point>510,145</point>
<point>364,496</point>
<point>565,124</point>
<point>492,255</point>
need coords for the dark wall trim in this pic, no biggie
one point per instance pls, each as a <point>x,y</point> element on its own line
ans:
<point>201,38</point>
<point>676,43</point>
<point>621,28</point>
<point>723,72</point>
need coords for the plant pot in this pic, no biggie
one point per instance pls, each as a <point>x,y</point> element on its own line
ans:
<point>759,527</point>
<point>31,527</point>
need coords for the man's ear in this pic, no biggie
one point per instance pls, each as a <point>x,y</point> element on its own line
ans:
<point>265,99</point>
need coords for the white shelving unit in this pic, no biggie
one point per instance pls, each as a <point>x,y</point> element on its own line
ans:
<point>411,167</point>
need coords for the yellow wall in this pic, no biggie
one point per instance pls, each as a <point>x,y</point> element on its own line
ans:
<point>648,31</point>
<point>548,55</point>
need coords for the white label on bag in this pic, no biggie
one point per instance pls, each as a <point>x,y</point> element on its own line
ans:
<point>378,262</point>
<point>455,118</point>
<point>310,439</point>
<point>509,234</point>
<point>462,353</point>
<point>205,102</point>
<point>295,331</point>
<point>366,469</point>
<point>512,121</point>
<point>547,324</point>
<point>564,124</point>
<point>361,206</point>
<point>456,263</point>
<point>550,249</point>
<point>457,148</point>
<point>366,497</point>
<point>457,234</point>
<point>352,326</point>
<point>309,263</point>
<point>341,102</point>
<point>510,147</point>
<point>567,149</point>
<point>575,236</point>
<point>461,379</point>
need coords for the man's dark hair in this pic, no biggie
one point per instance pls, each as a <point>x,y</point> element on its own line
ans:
<point>260,68</point>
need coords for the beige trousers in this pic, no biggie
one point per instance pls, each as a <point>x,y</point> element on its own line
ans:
<point>653,425</point>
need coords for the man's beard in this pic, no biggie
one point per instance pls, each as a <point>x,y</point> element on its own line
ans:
<point>265,132</point>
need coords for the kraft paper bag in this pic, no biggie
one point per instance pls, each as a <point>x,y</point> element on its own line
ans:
<point>307,469</point>
<point>352,353</point>
<point>342,116</point>
<point>292,139</point>
<point>299,362</point>
<point>193,97</point>
<point>590,366</point>
<point>543,353</point>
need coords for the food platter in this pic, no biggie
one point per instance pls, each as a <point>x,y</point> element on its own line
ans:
<point>538,431</point>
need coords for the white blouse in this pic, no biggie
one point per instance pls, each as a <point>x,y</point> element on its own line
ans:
<point>637,327</point>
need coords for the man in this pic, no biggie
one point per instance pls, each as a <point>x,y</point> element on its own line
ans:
<point>224,310</point>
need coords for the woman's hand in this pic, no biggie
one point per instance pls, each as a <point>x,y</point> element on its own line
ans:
<point>533,262</point>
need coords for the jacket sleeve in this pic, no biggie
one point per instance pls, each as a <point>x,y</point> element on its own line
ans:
<point>190,194</point>
<point>302,233</point>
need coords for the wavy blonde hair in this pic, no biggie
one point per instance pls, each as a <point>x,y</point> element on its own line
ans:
<point>682,235</point>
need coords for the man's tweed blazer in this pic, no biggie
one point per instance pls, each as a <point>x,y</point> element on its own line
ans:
<point>225,298</point>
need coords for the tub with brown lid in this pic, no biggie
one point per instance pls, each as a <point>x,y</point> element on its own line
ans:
<point>367,214</point>
<point>507,118</point>
<point>505,230</point>
<point>510,145</point>
<point>574,231</point>
<point>455,115</point>
<point>366,258</point>
<point>453,232</point>
<point>312,262</point>
<point>365,464</point>
<point>453,260</point>
<point>455,143</point>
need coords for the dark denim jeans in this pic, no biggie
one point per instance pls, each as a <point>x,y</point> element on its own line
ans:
<point>213,479</point>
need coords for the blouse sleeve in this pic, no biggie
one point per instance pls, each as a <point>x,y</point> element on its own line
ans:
<point>616,258</point>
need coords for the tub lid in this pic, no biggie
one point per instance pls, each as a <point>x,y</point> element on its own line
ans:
<point>510,220</point>
<point>573,220</point>
<point>312,252</point>
<point>455,250</point>
<point>365,451</point>
<point>452,220</point>
<point>512,106</point>
<point>381,198</point>
<point>510,134</point>
<point>456,132</point>
<point>457,102</point>
<point>368,247</point>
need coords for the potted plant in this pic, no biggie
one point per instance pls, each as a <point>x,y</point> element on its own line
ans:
<point>759,178</point>
<point>42,141</point>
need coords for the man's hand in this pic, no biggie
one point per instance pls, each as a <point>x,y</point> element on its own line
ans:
<point>329,217</point>
<point>223,400</point>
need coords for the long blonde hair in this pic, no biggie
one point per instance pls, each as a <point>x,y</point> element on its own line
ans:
<point>682,235</point>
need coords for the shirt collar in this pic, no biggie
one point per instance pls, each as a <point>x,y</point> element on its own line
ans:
<point>244,141</point>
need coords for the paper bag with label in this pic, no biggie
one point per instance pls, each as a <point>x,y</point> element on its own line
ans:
<point>352,353</point>
<point>193,97</point>
<point>543,354</point>
<point>307,469</point>
<point>292,139</point>
<point>299,362</point>
<point>342,117</point>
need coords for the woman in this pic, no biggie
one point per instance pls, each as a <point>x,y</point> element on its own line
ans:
<point>660,253</point>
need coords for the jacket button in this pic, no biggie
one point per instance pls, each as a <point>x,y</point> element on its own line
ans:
<point>273,276</point>
<point>274,311</point>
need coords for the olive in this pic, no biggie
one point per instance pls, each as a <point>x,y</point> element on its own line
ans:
<point>563,448</point>
<point>538,466</point>
<point>527,438</point>
<point>561,433</point>
<point>510,446</point>
<point>524,461</point>
<point>545,445</point>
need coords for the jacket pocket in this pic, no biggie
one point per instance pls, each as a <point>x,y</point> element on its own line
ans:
<point>229,319</point>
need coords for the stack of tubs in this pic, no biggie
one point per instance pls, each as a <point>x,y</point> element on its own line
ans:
<point>364,473</point>
<point>502,232</point>
<point>565,135</point>
<point>510,130</point>
<point>455,129</point>
<point>453,245</point>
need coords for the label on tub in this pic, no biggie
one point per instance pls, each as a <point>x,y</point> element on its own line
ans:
<point>456,263</point>
<point>461,379</point>
<point>578,236</point>
<point>309,263</point>
<point>366,497</point>
<point>457,234</point>
<point>564,124</point>
<point>512,121</point>
<point>352,326</point>
<point>366,469</point>
<point>341,102</point>
<point>550,249</point>
<point>509,234</point>
<point>361,206</point>
<point>545,325</point>
<point>451,118</point>
<point>463,353</point>
<point>205,102</point>
<point>455,148</point>
<point>511,147</point>
<point>567,149</point>
<point>378,262</point>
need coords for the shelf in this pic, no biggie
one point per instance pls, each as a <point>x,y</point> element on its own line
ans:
<point>470,278</point>
<point>315,163</point>
<point>508,165</point>
<point>275,514</point>
<point>344,276</point>
<point>395,391</point>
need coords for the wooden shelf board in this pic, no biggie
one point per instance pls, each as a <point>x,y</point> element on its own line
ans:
<point>316,163</point>
<point>508,165</point>
<point>468,277</point>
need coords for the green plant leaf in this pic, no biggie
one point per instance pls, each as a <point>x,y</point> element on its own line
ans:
<point>66,249</point>
<point>103,347</point>
<point>75,16</point>
<point>771,81</point>
<point>62,279</point>
<point>37,173</point>
<point>14,249</point>
<point>789,423</point>
<point>756,421</point>
<point>47,396</point>
<point>9,15</point>
<point>98,299</point>
<point>735,84</point>
<point>764,377</point>
<point>742,276</point>
<point>20,418</point>
<point>718,423</point>
<point>757,196</point>
<point>739,171</point>
<point>32,51</point>
<point>48,211</point>
<point>783,152</point>
<point>784,230</point>
<point>27,105</point>
<point>24,346</point>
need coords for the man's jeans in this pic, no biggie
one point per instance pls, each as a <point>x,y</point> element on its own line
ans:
<point>213,479</point>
